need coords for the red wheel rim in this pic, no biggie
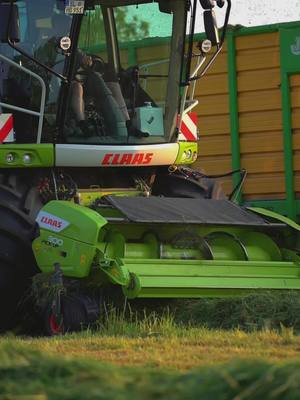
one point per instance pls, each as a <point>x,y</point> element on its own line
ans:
<point>55,327</point>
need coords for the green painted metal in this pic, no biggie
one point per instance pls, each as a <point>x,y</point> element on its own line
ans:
<point>75,258</point>
<point>116,272</point>
<point>255,30</point>
<point>234,112</point>
<point>278,206</point>
<point>288,49</point>
<point>196,278</point>
<point>68,236</point>
<point>278,217</point>
<point>187,148</point>
<point>84,224</point>
<point>88,197</point>
<point>132,55</point>
<point>12,155</point>
<point>298,210</point>
<point>289,63</point>
<point>154,261</point>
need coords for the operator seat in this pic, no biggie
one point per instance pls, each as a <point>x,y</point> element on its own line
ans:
<point>109,105</point>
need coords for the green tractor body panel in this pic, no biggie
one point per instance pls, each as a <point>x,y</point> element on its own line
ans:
<point>187,153</point>
<point>166,259</point>
<point>26,155</point>
<point>69,235</point>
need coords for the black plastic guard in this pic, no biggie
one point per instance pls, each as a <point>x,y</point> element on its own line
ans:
<point>164,210</point>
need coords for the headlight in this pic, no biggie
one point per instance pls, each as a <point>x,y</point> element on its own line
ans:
<point>189,154</point>
<point>10,158</point>
<point>27,158</point>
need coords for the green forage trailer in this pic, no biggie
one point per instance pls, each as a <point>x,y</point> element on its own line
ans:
<point>255,89</point>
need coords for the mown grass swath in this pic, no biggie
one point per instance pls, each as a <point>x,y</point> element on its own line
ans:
<point>25,372</point>
<point>258,311</point>
<point>164,354</point>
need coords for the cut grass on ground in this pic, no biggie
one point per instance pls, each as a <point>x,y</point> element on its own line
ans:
<point>261,310</point>
<point>188,334</point>
<point>161,347</point>
<point>166,355</point>
<point>29,374</point>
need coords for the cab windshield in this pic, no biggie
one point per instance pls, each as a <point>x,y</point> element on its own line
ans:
<point>105,75</point>
<point>118,93</point>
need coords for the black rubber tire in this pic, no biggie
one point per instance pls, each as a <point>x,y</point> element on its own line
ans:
<point>7,299</point>
<point>173,185</point>
<point>74,317</point>
<point>74,314</point>
<point>17,263</point>
<point>13,190</point>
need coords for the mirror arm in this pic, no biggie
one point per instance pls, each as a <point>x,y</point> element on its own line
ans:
<point>25,54</point>
<point>225,26</point>
<point>191,42</point>
<point>207,66</point>
<point>219,46</point>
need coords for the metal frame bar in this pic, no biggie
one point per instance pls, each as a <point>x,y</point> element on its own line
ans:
<point>234,112</point>
<point>24,110</point>
<point>43,97</point>
<point>183,111</point>
<point>288,145</point>
<point>152,64</point>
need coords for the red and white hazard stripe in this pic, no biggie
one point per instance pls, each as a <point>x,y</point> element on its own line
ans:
<point>7,134</point>
<point>188,130</point>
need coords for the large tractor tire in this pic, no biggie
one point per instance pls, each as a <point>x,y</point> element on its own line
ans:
<point>17,264</point>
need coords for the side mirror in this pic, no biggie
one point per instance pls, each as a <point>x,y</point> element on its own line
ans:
<point>165,6</point>
<point>207,4</point>
<point>221,3</point>
<point>9,17</point>
<point>211,28</point>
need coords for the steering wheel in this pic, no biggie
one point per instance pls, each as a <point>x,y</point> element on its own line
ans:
<point>98,64</point>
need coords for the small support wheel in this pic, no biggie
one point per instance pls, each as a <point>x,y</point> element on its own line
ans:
<point>77,312</point>
<point>53,327</point>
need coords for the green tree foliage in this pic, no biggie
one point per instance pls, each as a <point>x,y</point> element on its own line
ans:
<point>128,29</point>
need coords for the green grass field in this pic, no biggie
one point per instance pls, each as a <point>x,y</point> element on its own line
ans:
<point>183,353</point>
<point>179,364</point>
